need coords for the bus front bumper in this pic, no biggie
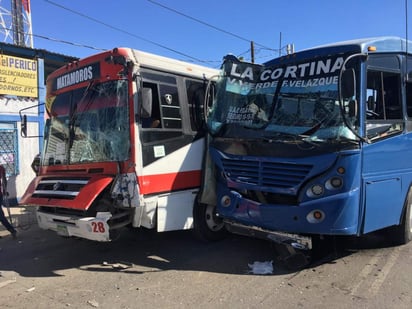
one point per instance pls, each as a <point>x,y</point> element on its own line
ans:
<point>338,214</point>
<point>299,242</point>
<point>92,228</point>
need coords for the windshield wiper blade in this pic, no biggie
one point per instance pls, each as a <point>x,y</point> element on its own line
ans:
<point>271,137</point>
<point>292,137</point>
<point>311,131</point>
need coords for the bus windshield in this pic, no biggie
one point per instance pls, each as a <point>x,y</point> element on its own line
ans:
<point>89,124</point>
<point>299,100</point>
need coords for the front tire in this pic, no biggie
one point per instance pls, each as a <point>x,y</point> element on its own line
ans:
<point>207,225</point>
<point>403,232</point>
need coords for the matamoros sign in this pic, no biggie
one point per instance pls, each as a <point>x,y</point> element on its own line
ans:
<point>77,76</point>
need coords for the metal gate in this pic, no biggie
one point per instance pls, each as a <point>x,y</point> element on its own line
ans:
<point>9,148</point>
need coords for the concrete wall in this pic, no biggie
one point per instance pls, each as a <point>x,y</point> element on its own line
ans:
<point>11,106</point>
<point>28,103</point>
<point>27,148</point>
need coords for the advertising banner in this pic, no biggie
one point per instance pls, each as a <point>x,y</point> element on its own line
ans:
<point>18,76</point>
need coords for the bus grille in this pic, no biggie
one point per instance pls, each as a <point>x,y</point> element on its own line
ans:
<point>259,173</point>
<point>60,188</point>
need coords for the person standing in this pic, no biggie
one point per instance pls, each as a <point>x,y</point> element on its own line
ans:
<point>3,194</point>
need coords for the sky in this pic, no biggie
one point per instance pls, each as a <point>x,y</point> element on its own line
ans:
<point>203,32</point>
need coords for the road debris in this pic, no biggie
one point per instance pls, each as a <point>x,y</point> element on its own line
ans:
<point>93,303</point>
<point>261,268</point>
<point>7,282</point>
<point>120,265</point>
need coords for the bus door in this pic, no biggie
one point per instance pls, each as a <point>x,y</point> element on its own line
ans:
<point>385,155</point>
<point>172,149</point>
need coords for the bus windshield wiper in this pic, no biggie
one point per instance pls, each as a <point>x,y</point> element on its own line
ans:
<point>275,135</point>
<point>312,130</point>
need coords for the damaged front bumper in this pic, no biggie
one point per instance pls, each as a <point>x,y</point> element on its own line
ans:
<point>92,228</point>
<point>297,241</point>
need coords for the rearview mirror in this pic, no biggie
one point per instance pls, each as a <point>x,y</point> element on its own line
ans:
<point>23,126</point>
<point>147,99</point>
<point>347,84</point>
<point>23,120</point>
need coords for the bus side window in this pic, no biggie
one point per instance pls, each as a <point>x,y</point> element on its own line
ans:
<point>393,109</point>
<point>409,98</point>
<point>195,98</point>
<point>383,96</point>
<point>409,88</point>
<point>383,106</point>
<point>150,110</point>
<point>170,107</point>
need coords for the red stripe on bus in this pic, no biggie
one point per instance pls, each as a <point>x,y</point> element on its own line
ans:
<point>169,182</point>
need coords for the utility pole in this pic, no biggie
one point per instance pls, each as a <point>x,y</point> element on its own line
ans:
<point>252,52</point>
<point>280,44</point>
<point>15,22</point>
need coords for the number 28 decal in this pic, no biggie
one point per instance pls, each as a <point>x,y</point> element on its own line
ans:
<point>98,227</point>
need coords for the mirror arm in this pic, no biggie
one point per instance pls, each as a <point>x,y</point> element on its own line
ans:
<point>342,109</point>
<point>23,121</point>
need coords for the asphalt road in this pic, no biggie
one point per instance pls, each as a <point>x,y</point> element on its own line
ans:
<point>144,269</point>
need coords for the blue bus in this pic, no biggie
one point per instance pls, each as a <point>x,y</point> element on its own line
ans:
<point>315,143</point>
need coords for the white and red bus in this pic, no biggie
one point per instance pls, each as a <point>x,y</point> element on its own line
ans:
<point>124,145</point>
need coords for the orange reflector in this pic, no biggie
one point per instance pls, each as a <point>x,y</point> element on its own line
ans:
<point>225,201</point>
<point>371,48</point>
<point>317,215</point>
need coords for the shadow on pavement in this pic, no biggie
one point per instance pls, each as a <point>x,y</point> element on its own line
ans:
<point>38,253</point>
<point>333,248</point>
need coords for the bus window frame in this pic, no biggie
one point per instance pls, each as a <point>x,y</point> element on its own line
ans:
<point>382,125</point>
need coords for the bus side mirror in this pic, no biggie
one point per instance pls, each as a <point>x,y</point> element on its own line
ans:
<point>35,165</point>
<point>352,108</point>
<point>348,84</point>
<point>23,127</point>
<point>147,99</point>
<point>47,127</point>
<point>23,120</point>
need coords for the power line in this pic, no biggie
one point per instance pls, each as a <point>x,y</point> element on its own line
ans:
<point>207,24</point>
<point>123,31</point>
<point>56,40</point>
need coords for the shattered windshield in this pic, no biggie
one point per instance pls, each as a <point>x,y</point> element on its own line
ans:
<point>294,100</point>
<point>89,124</point>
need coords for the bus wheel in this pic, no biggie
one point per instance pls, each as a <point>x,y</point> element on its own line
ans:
<point>207,226</point>
<point>403,233</point>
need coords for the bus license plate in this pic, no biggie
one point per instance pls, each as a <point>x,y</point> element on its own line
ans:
<point>62,230</point>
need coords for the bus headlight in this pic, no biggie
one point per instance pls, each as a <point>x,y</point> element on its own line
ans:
<point>315,216</point>
<point>334,183</point>
<point>316,190</point>
<point>225,201</point>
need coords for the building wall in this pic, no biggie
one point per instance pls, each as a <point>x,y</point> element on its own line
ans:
<point>23,72</point>
<point>17,152</point>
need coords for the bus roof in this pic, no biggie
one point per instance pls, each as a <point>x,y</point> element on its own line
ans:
<point>145,60</point>
<point>176,66</point>
<point>383,44</point>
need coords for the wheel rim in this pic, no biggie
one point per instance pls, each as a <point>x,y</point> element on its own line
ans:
<point>214,223</point>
